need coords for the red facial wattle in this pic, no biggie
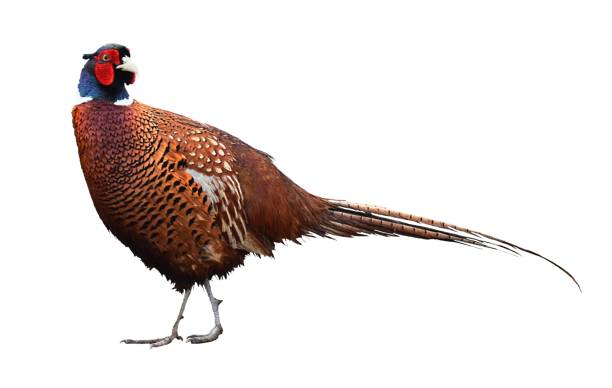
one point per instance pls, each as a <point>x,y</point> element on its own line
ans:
<point>105,74</point>
<point>104,69</point>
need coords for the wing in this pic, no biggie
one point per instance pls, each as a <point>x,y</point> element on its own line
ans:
<point>254,203</point>
<point>209,158</point>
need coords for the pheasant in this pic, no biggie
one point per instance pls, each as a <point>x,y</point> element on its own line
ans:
<point>192,201</point>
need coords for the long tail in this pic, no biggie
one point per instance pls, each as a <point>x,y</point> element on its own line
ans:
<point>350,219</point>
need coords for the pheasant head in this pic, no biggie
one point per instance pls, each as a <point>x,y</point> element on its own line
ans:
<point>106,73</point>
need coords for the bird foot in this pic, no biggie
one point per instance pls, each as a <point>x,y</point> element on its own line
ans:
<point>200,339</point>
<point>157,342</point>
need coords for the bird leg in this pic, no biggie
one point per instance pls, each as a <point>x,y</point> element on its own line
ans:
<point>217,330</point>
<point>165,340</point>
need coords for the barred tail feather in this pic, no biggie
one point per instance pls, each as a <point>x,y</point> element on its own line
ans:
<point>348,219</point>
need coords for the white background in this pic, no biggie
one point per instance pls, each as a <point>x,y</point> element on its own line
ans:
<point>490,115</point>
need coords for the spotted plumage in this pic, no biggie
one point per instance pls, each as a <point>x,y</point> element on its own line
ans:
<point>192,201</point>
<point>171,189</point>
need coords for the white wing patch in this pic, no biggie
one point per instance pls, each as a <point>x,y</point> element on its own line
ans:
<point>210,184</point>
<point>226,195</point>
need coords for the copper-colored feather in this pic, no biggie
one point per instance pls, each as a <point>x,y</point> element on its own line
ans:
<point>191,200</point>
<point>185,197</point>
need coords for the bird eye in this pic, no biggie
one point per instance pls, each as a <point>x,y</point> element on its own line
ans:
<point>105,57</point>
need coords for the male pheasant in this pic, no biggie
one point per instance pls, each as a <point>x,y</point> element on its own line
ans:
<point>192,201</point>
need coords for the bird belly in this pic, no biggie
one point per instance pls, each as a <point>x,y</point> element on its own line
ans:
<point>164,221</point>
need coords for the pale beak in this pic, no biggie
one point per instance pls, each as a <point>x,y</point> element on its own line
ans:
<point>128,65</point>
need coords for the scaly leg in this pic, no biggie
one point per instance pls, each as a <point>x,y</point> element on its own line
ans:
<point>217,330</point>
<point>165,340</point>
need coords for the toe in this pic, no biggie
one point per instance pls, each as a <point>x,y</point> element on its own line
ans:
<point>200,339</point>
<point>153,342</point>
<point>163,342</point>
<point>131,341</point>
